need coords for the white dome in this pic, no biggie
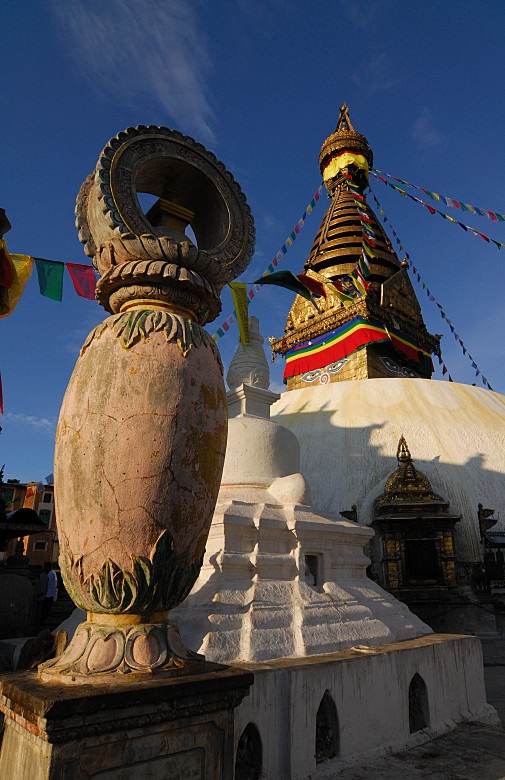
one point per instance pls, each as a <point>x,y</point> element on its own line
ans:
<point>349,432</point>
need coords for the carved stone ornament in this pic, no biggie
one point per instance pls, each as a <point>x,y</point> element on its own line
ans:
<point>142,431</point>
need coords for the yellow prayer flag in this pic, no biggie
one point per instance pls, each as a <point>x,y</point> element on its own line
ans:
<point>346,300</point>
<point>368,250</point>
<point>342,161</point>
<point>22,266</point>
<point>241,306</point>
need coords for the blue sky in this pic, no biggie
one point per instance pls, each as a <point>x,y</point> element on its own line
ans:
<point>260,84</point>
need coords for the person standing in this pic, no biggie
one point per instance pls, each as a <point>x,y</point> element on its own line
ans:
<point>51,590</point>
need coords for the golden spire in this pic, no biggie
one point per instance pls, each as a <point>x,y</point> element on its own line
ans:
<point>344,139</point>
<point>344,123</point>
<point>336,252</point>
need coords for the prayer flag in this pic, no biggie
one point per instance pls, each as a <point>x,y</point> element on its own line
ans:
<point>359,280</point>
<point>364,265</point>
<point>287,280</point>
<point>341,160</point>
<point>349,285</point>
<point>315,286</point>
<point>5,266</point>
<point>241,306</point>
<point>341,295</point>
<point>84,279</point>
<point>22,266</point>
<point>50,275</point>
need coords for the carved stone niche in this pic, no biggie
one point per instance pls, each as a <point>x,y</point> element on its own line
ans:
<point>415,532</point>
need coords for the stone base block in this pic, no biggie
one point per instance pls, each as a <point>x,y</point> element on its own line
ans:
<point>167,726</point>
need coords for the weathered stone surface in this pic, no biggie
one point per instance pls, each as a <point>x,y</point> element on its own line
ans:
<point>370,691</point>
<point>146,427</point>
<point>178,727</point>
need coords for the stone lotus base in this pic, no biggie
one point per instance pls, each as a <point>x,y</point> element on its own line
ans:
<point>178,727</point>
<point>106,644</point>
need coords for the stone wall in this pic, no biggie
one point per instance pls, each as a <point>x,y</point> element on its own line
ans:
<point>370,691</point>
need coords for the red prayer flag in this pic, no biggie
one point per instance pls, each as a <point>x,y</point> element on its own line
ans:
<point>83,278</point>
<point>313,285</point>
<point>430,209</point>
<point>484,237</point>
<point>5,268</point>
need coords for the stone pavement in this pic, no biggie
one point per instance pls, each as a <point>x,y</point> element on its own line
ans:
<point>473,751</point>
<point>470,752</point>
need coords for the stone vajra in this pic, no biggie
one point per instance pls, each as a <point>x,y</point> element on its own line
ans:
<point>142,431</point>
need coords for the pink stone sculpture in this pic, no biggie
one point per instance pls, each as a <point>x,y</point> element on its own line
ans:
<point>142,431</point>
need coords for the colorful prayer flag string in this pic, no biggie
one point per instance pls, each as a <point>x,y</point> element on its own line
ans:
<point>49,275</point>
<point>494,216</point>
<point>270,269</point>
<point>432,298</point>
<point>432,210</point>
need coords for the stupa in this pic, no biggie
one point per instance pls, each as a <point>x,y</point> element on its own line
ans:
<point>358,375</point>
<point>341,668</point>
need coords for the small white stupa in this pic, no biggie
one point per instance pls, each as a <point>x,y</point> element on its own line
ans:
<point>280,579</point>
<point>283,592</point>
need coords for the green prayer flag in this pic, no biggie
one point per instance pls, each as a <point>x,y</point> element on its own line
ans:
<point>288,280</point>
<point>50,275</point>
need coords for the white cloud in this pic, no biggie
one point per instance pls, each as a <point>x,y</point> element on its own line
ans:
<point>360,14</point>
<point>43,423</point>
<point>143,49</point>
<point>377,75</point>
<point>424,131</point>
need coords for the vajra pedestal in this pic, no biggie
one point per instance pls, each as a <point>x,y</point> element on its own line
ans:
<point>142,432</point>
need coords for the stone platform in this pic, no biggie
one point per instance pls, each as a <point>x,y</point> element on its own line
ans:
<point>165,726</point>
<point>369,689</point>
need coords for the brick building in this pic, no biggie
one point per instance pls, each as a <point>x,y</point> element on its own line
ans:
<point>43,546</point>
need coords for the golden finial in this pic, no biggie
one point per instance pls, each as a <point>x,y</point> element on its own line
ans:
<point>344,123</point>
<point>403,452</point>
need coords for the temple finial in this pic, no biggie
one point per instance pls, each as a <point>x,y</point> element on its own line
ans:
<point>344,123</point>
<point>403,452</point>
